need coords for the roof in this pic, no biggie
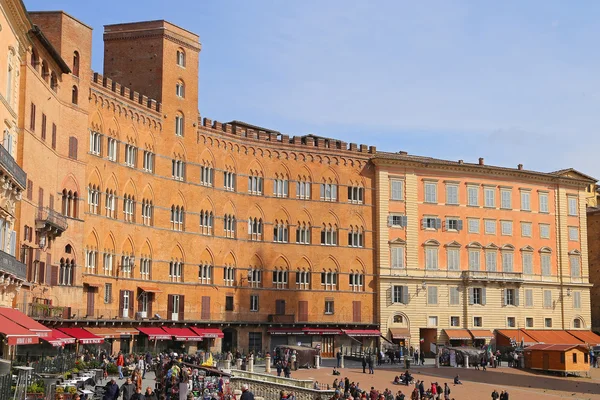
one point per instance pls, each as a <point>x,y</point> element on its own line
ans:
<point>403,156</point>
<point>111,332</point>
<point>37,32</point>
<point>250,126</point>
<point>182,334</point>
<point>588,337</point>
<point>400,333</point>
<point>517,335</point>
<point>553,337</point>
<point>208,332</point>
<point>555,347</point>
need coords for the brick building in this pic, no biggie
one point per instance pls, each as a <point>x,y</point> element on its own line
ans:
<point>593,231</point>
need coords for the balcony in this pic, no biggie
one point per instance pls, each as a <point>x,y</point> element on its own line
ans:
<point>8,163</point>
<point>492,276</point>
<point>50,223</point>
<point>282,318</point>
<point>10,266</point>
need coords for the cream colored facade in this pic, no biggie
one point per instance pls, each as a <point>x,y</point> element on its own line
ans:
<point>447,267</point>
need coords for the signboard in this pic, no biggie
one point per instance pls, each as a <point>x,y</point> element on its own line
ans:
<point>22,340</point>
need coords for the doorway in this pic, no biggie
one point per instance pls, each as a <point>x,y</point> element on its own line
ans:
<point>229,342</point>
<point>327,347</point>
<point>428,341</point>
<point>91,295</point>
<point>546,361</point>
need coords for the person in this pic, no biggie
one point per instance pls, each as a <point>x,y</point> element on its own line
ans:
<point>396,380</point>
<point>142,366</point>
<point>498,358</point>
<point>407,377</point>
<point>457,380</point>
<point>495,395</point>
<point>246,393</point>
<point>373,394</point>
<point>371,362</point>
<point>127,389</point>
<point>364,363</point>
<point>138,394</point>
<point>282,395</point>
<point>335,383</point>
<point>415,394</point>
<point>287,372</point>
<point>339,359</point>
<point>422,389</point>
<point>400,395</point>
<point>483,364</point>
<point>416,356</point>
<point>446,391</point>
<point>316,386</point>
<point>516,360</point>
<point>422,357</point>
<point>502,395</point>
<point>120,363</point>
<point>506,395</point>
<point>150,395</point>
<point>112,391</point>
<point>434,390</point>
<point>279,367</point>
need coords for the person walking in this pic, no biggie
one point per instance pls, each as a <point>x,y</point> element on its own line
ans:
<point>371,362</point>
<point>446,391</point>
<point>483,364</point>
<point>111,391</point>
<point>422,357</point>
<point>141,364</point>
<point>127,389</point>
<point>279,367</point>
<point>495,395</point>
<point>246,393</point>
<point>339,359</point>
<point>150,395</point>
<point>416,356</point>
<point>364,363</point>
<point>421,390</point>
<point>120,364</point>
<point>138,394</point>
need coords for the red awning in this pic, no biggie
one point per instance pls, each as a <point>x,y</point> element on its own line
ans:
<point>182,334</point>
<point>208,332</point>
<point>25,321</point>
<point>588,337</point>
<point>285,331</point>
<point>57,338</point>
<point>361,332</point>
<point>155,333</point>
<point>553,336</point>
<point>15,333</point>
<point>321,331</point>
<point>458,334</point>
<point>82,336</point>
<point>149,289</point>
<point>481,334</point>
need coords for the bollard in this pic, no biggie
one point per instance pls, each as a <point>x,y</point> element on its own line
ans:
<point>342,362</point>
<point>251,363</point>
<point>268,364</point>
<point>466,361</point>
<point>238,364</point>
<point>227,364</point>
<point>437,361</point>
<point>317,362</point>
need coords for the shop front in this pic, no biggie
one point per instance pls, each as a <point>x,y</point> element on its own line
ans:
<point>400,336</point>
<point>116,338</point>
<point>365,338</point>
<point>14,335</point>
<point>84,340</point>
<point>211,338</point>
<point>481,337</point>
<point>184,339</point>
<point>457,337</point>
<point>153,339</point>
<point>325,339</point>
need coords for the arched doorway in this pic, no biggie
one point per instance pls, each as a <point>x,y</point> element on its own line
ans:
<point>229,342</point>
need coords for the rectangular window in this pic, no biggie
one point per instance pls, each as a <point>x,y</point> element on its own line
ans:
<point>527,263</point>
<point>54,136</point>
<point>454,321</point>
<point>397,220</point>
<point>507,227</point>
<point>130,156</point>
<point>32,118</point>
<point>473,225</point>
<point>178,170</point>
<point>107,293</point>
<point>452,194</point>
<point>547,299</point>
<point>431,257</point>
<point>490,197</point>
<point>303,190</point>
<point>328,192</point>
<point>491,260</point>
<point>546,267</point>
<point>280,189</point>
<point>543,202</point>
<point>528,322</point>
<point>507,261</point>
<point>526,229</point>
<point>430,192</point>
<point>525,200</point>
<point>490,226</point>
<point>396,189</point>
<point>43,126</point>
<point>397,255</point>
<point>548,322</point>
<point>477,296</point>
<point>453,259</point>
<point>454,296</point>
<point>473,196</point>
<point>511,322</point>
<point>432,321</point>
<point>148,163</point>
<point>253,302</point>
<point>229,181</point>
<point>511,297</point>
<point>528,297</point>
<point>206,175</point>
<point>574,260</point>
<point>474,264</point>
<point>400,294</point>
<point>112,145</point>
<point>454,224</point>
<point>544,231</point>
<point>329,307</point>
<point>572,206</point>
<point>228,303</point>
<point>577,300</point>
<point>255,185</point>
<point>431,223</point>
<point>506,199</point>
<point>432,295</point>
<point>573,233</point>
<point>477,321</point>
<point>255,343</point>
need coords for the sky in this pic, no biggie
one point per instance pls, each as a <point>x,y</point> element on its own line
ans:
<point>512,81</point>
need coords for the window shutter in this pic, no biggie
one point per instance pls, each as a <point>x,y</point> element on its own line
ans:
<point>205,308</point>
<point>459,225</point>
<point>42,273</point>
<point>405,297</point>
<point>54,275</point>
<point>483,293</point>
<point>504,297</point>
<point>140,303</point>
<point>356,311</point>
<point>150,300</point>
<point>424,223</point>
<point>438,223</point>
<point>390,220</point>
<point>517,297</point>
<point>471,296</point>
<point>131,300</point>
<point>13,243</point>
<point>170,307</point>
<point>181,307</point>
<point>303,311</point>
<point>121,300</point>
<point>404,221</point>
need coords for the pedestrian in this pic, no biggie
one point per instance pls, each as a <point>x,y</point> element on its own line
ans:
<point>141,364</point>
<point>246,393</point>
<point>516,360</point>
<point>111,391</point>
<point>446,391</point>
<point>502,395</point>
<point>371,362</point>
<point>416,356</point>
<point>415,394</point>
<point>433,390</point>
<point>422,357</point>
<point>286,372</point>
<point>422,390</point>
<point>364,363</point>
<point>120,364</point>
<point>127,389</point>
<point>495,395</point>
<point>138,394</point>
<point>339,359</point>
<point>373,394</point>
<point>400,395</point>
<point>150,395</point>
<point>279,367</point>
<point>483,364</point>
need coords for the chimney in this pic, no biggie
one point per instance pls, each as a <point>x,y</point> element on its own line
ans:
<point>481,161</point>
<point>520,167</point>
<point>403,153</point>
<point>461,162</point>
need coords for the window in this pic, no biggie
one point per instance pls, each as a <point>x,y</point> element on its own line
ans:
<point>177,218</point>
<point>430,192</point>
<point>112,146</point>
<point>543,197</point>
<point>127,265</point>
<point>545,231</point>
<point>431,257</point>
<point>175,271</point>
<point>35,60</point>
<point>454,295</point>
<point>255,344</point>
<point>431,223</point>
<point>74,95</point>
<point>572,205</point>
<point>45,71</point>
<point>356,194</point>
<point>452,194</point>
<point>397,256</point>
<point>303,233</point>
<point>107,293</point>
<point>473,225</point>
<point>147,212</point>
<point>400,294</point>
<point>356,281</point>
<point>130,156</point>
<point>397,220</point>
<point>573,233</point>
<point>453,224</point>
<point>525,200</point>
<point>255,277</point>
<point>302,188</point>
<point>53,82</point>
<point>511,322</point>
<point>303,280</point>
<point>526,229</point>
<point>44,125</point>
<point>548,322</point>
<point>255,185</point>
<point>575,263</point>
<point>53,136</point>
<point>75,64</point>
<point>145,268</point>
<point>229,276</point>
<point>432,321</point>
<point>255,229</point>
<point>527,258</point>
<point>178,170</point>
<point>9,82</point>
<point>90,261</point>
<point>93,199</point>
<point>511,297</point>
<point>490,226</point>
<point>108,264</point>
<point>179,120</point>
<point>66,272</point>
<point>473,196</point>
<point>432,295</point>
<point>280,186</point>
<point>490,197</point>
<point>110,204</point>
<point>474,260</point>
<point>229,180</point>
<point>70,203</point>
<point>506,227</point>
<point>355,237</point>
<point>477,322</point>
<point>453,259</point>
<point>128,208</point>
<point>180,89</point>
<point>477,296</point>
<point>396,187</point>
<point>454,321</point>
<point>253,302</point>
<point>229,225</point>
<point>280,231</point>
<point>546,267</point>
<point>547,299</point>
<point>148,164</point>
<point>505,199</point>
<point>328,306</point>
<point>206,222</point>
<point>180,58</point>
<point>576,299</point>
<point>328,191</point>
<point>329,235</point>
<point>491,260</point>
<point>507,261</point>
<point>228,303</point>
<point>329,280</point>
<point>528,322</point>
<point>32,118</point>
<point>528,297</point>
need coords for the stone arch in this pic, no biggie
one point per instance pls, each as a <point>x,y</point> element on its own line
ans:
<point>179,151</point>
<point>330,264</point>
<point>92,241</point>
<point>304,263</point>
<point>207,257</point>
<point>97,123</point>
<point>130,188</point>
<point>229,208</point>
<point>230,164</point>
<point>282,261</point>
<point>207,155</point>
<point>330,175</point>
<point>70,183</point>
<point>179,199</point>
<point>356,216</point>
<point>114,129</point>
<point>128,247</point>
<point>256,209</point>
<point>112,183</point>
<point>282,215</point>
<point>393,321</point>
<point>333,215</point>
<point>148,193</point>
<point>178,253</point>
<point>256,168</point>
<point>230,259</point>
<point>207,204</point>
<point>109,243</point>
<point>256,261</point>
<point>95,178</point>
<point>147,249</point>
<point>308,215</point>
<point>359,265</point>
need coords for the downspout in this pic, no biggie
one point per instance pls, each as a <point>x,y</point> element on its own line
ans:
<point>560,258</point>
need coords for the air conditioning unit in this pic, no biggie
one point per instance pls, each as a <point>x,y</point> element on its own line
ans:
<point>141,315</point>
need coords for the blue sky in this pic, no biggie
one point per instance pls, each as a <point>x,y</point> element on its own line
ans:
<point>512,81</point>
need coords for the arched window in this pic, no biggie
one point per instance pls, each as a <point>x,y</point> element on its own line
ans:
<point>280,231</point>
<point>35,59</point>
<point>177,217</point>
<point>69,203</point>
<point>53,81</point>
<point>110,203</point>
<point>205,273</point>
<point>147,212</point>
<point>577,323</point>
<point>74,95</point>
<point>76,63</point>
<point>206,222</point>
<point>255,228</point>
<point>303,279</point>
<point>255,277</point>
<point>129,208</point>
<point>280,278</point>
<point>303,233</point>
<point>329,235</point>
<point>398,319</point>
<point>229,275</point>
<point>229,225</point>
<point>303,187</point>
<point>179,120</point>
<point>355,236</point>
<point>180,89</point>
<point>181,58</point>
<point>356,281</point>
<point>45,72</point>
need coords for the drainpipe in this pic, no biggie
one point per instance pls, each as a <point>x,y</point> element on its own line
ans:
<point>560,262</point>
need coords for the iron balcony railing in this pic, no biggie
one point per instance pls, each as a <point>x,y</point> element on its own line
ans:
<point>9,164</point>
<point>10,265</point>
<point>492,276</point>
<point>49,216</point>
